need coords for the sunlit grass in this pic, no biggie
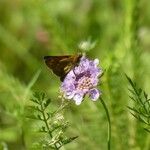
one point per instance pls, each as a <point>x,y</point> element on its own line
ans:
<point>31,29</point>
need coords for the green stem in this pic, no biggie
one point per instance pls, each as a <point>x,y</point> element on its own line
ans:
<point>109,124</point>
<point>47,126</point>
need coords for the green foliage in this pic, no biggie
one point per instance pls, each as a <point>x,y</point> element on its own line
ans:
<point>53,125</point>
<point>116,31</point>
<point>141,110</point>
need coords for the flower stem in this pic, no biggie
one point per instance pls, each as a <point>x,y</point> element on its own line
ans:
<point>109,124</point>
<point>47,126</point>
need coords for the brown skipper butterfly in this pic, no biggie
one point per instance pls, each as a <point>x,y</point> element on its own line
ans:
<point>61,65</point>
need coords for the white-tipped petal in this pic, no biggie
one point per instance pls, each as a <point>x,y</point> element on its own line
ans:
<point>78,98</point>
<point>94,94</point>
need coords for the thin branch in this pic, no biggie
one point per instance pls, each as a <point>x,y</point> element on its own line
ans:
<point>46,123</point>
<point>109,124</point>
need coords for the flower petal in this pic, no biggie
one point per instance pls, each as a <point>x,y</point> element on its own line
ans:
<point>78,98</point>
<point>94,81</point>
<point>82,80</point>
<point>70,76</point>
<point>69,94</point>
<point>94,94</point>
<point>84,63</point>
<point>67,87</point>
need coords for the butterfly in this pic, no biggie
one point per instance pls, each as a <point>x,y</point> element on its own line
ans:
<point>61,65</point>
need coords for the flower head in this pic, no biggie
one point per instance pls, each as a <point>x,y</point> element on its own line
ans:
<point>82,80</point>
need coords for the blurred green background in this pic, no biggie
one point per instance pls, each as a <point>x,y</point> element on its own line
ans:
<point>31,29</point>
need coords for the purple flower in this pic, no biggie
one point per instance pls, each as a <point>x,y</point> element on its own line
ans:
<point>82,80</point>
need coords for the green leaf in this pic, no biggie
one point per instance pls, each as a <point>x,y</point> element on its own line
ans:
<point>35,101</point>
<point>39,117</point>
<point>68,140</point>
<point>43,95</point>
<point>47,102</point>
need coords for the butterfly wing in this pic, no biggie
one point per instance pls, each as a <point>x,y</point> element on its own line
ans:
<point>61,65</point>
